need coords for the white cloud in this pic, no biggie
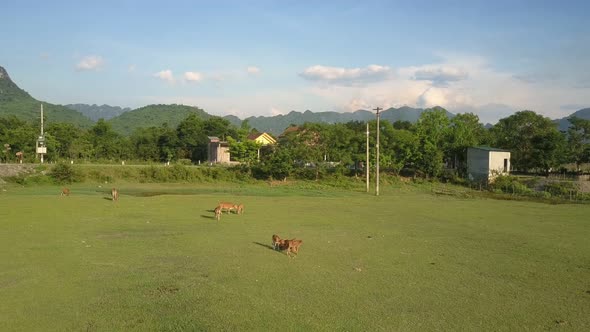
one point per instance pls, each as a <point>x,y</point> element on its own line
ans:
<point>165,75</point>
<point>440,75</point>
<point>275,111</point>
<point>193,76</point>
<point>91,62</point>
<point>253,70</point>
<point>131,68</point>
<point>344,76</point>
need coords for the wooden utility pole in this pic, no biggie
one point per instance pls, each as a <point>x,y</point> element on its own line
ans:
<point>377,146</point>
<point>367,160</point>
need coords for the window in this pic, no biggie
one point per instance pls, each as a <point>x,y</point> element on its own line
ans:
<point>505,165</point>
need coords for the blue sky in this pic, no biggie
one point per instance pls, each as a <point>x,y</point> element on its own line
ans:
<point>491,58</point>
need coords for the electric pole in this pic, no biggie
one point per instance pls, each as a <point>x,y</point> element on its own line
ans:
<point>367,160</point>
<point>377,146</point>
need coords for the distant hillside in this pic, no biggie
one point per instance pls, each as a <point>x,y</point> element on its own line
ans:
<point>564,123</point>
<point>277,124</point>
<point>154,115</point>
<point>95,112</point>
<point>16,102</point>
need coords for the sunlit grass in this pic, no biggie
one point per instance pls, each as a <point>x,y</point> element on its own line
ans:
<point>406,260</point>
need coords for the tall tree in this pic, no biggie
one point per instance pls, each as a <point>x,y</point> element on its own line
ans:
<point>105,141</point>
<point>63,136</point>
<point>432,131</point>
<point>578,141</point>
<point>465,131</point>
<point>192,138</point>
<point>533,140</point>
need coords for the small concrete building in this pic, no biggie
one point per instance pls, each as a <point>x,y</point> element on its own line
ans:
<point>217,151</point>
<point>485,163</point>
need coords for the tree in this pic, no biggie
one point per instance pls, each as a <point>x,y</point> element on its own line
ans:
<point>465,131</point>
<point>105,141</point>
<point>244,151</point>
<point>533,140</point>
<point>578,141</point>
<point>432,131</point>
<point>61,137</point>
<point>192,140</point>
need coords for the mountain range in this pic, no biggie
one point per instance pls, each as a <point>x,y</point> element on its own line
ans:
<point>16,102</point>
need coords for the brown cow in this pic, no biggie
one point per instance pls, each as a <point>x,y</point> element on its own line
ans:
<point>218,213</point>
<point>65,192</point>
<point>226,206</point>
<point>114,194</point>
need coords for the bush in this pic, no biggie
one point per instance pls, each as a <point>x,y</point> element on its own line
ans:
<point>562,189</point>
<point>510,185</point>
<point>65,173</point>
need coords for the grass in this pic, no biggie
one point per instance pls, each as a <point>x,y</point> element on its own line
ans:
<point>407,260</point>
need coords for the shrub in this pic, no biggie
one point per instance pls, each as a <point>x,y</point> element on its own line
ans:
<point>562,189</point>
<point>511,185</point>
<point>65,173</point>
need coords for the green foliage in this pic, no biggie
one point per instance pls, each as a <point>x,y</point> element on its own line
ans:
<point>534,141</point>
<point>154,116</point>
<point>510,184</point>
<point>563,189</point>
<point>65,173</point>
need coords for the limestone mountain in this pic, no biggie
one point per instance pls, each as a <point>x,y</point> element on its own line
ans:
<point>276,124</point>
<point>154,116</point>
<point>564,123</point>
<point>95,112</point>
<point>15,101</point>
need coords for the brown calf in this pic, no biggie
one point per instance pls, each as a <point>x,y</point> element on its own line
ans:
<point>218,213</point>
<point>115,194</point>
<point>65,192</point>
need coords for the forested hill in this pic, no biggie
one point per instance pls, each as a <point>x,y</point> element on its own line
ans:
<point>95,112</point>
<point>14,101</point>
<point>277,124</point>
<point>154,116</point>
<point>564,122</point>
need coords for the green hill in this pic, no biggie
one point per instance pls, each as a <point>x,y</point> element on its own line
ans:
<point>154,116</point>
<point>15,101</point>
<point>277,124</point>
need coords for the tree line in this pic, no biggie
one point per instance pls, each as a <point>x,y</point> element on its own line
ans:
<point>430,146</point>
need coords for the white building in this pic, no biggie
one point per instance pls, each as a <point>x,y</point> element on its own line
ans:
<point>485,163</point>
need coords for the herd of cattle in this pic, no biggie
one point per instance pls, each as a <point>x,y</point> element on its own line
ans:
<point>290,245</point>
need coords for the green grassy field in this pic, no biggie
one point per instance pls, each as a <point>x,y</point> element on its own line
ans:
<point>407,260</point>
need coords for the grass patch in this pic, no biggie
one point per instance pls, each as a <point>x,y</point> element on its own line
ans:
<point>407,260</point>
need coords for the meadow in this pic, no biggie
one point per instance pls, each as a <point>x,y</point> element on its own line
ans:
<point>407,260</point>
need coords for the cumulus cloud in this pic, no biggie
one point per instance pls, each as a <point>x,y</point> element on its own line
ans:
<point>192,76</point>
<point>440,75</point>
<point>91,62</point>
<point>275,111</point>
<point>252,70</point>
<point>165,75</point>
<point>346,76</point>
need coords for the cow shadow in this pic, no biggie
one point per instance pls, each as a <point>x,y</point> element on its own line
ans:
<point>267,246</point>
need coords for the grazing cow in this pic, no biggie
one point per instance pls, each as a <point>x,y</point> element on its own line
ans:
<point>293,246</point>
<point>218,213</point>
<point>115,194</point>
<point>227,206</point>
<point>65,192</point>
<point>239,208</point>
<point>277,242</point>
